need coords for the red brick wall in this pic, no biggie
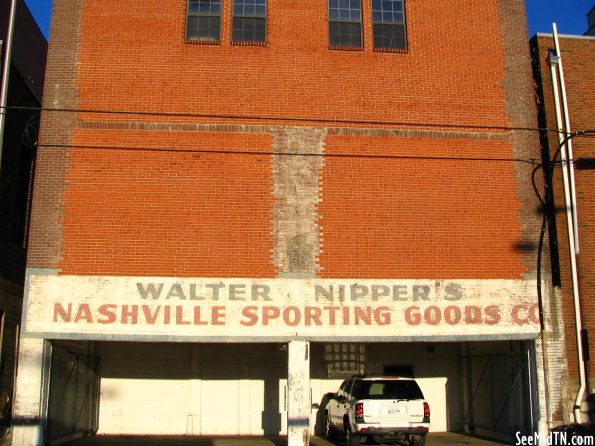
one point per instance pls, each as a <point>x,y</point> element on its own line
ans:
<point>185,212</point>
<point>578,59</point>
<point>133,58</point>
<point>418,216</point>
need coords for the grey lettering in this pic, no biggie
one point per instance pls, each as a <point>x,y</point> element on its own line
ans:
<point>421,292</point>
<point>358,292</point>
<point>237,292</point>
<point>320,292</point>
<point>400,292</point>
<point>150,290</point>
<point>215,287</point>
<point>261,292</point>
<point>176,291</point>
<point>379,291</point>
<point>453,291</point>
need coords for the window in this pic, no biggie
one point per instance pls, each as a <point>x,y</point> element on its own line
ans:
<point>345,23</point>
<point>249,21</point>
<point>388,19</point>
<point>203,21</point>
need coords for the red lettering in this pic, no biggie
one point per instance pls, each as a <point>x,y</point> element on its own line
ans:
<point>197,317</point>
<point>109,311</point>
<point>250,314</point>
<point>362,314</point>
<point>412,316</point>
<point>218,316</point>
<point>269,313</point>
<point>288,319</point>
<point>59,310</point>
<point>472,314</point>
<point>312,314</point>
<point>452,315</point>
<point>515,314</point>
<point>382,315</point>
<point>84,313</point>
<point>331,314</point>
<point>151,318</point>
<point>492,313</point>
<point>129,314</point>
<point>180,316</point>
<point>432,315</point>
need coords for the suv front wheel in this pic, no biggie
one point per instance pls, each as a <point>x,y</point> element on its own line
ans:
<point>329,431</point>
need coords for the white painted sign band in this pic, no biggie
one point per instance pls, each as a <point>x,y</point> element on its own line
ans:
<point>104,307</point>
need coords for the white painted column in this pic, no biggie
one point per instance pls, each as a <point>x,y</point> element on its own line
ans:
<point>30,404</point>
<point>193,423</point>
<point>298,393</point>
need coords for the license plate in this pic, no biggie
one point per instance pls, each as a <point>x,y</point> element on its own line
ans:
<point>396,411</point>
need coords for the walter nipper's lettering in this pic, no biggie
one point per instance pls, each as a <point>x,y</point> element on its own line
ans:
<point>208,291</point>
<point>395,293</point>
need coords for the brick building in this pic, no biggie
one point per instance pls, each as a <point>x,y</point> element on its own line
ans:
<point>24,89</point>
<point>241,202</point>
<point>577,57</point>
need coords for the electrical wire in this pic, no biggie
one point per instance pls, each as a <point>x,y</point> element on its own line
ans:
<point>269,153</point>
<point>279,118</point>
<point>547,202</point>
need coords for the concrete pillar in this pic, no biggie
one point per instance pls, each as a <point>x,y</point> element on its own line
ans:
<point>30,404</point>
<point>298,393</point>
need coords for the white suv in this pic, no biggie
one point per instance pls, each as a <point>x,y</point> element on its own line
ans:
<point>384,408</point>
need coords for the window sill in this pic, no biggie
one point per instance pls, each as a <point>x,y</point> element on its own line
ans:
<point>202,42</point>
<point>236,43</point>
<point>345,48</point>
<point>392,50</point>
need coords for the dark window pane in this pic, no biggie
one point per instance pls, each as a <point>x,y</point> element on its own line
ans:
<point>388,20</point>
<point>249,8</point>
<point>345,34</point>
<point>345,27</point>
<point>389,36</point>
<point>203,21</point>
<point>248,29</point>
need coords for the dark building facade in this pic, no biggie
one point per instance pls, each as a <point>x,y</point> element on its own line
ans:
<point>25,89</point>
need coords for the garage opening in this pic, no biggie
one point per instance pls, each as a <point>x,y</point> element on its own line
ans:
<point>73,401</point>
<point>484,388</point>
<point>128,388</point>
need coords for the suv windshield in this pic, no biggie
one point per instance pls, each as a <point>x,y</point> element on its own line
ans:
<point>387,389</point>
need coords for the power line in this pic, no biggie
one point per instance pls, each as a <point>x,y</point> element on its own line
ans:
<point>269,153</point>
<point>282,119</point>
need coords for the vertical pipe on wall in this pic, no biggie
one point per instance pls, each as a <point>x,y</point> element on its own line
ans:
<point>6,75</point>
<point>554,61</point>
<point>566,116</point>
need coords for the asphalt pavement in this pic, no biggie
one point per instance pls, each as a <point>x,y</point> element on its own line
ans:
<point>434,439</point>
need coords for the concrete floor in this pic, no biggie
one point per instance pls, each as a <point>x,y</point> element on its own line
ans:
<point>434,439</point>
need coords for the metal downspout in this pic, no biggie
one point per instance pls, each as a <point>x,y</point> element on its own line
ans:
<point>566,116</point>
<point>563,138</point>
<point>6,75</point>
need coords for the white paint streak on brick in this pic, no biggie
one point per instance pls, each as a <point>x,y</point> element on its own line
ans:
<point>296,171</point>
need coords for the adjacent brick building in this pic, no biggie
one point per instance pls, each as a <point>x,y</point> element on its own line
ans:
<point>242,201</point>
<point>577,54</point>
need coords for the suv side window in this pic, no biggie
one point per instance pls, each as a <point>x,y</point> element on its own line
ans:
<point>349,386</point>
<point>343,388</point>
